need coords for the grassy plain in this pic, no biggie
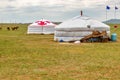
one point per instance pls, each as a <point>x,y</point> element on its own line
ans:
<point>38,57</point>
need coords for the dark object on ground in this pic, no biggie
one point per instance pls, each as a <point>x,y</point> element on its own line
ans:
<point>96,36</point>
<point>14,28</point>
<point>8,28</point>
<point>0,28</point>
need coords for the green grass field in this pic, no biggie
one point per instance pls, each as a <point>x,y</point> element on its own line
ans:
<point>38,57</point>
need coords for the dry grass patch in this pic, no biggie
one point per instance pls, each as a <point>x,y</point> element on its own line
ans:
<point>38,57</point>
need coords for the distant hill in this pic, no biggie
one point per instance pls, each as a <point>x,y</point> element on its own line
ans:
<point>57,23</point>
<point>112,21</point>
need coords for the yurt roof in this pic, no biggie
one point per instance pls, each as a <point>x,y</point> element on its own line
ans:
<point>81,22</point>
<point>42,22</point>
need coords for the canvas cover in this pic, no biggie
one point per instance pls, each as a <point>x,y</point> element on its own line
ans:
<point>77,28</point>
<point>41,27</point>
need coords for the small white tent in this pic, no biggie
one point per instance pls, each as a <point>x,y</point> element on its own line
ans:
<point>41,27</point>
<point>77,28</point>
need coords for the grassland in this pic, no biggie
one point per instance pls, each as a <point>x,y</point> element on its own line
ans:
<point>38,57</point>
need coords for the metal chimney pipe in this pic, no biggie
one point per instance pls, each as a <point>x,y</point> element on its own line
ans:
<point>81,12</point>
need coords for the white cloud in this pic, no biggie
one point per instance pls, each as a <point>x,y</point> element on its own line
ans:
<point>67,3</point>
<point>55,9</point>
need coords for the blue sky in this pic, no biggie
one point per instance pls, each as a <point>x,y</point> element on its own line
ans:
<point>26,11</point>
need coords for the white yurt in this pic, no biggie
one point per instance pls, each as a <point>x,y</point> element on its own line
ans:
<point>41,27</point>
<point>78,27</point>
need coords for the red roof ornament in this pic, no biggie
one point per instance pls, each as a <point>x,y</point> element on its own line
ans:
<point>44,22</point>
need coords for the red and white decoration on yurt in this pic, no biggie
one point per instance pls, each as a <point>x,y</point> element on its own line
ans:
<point>41,27</point>
<point>44,23</point>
